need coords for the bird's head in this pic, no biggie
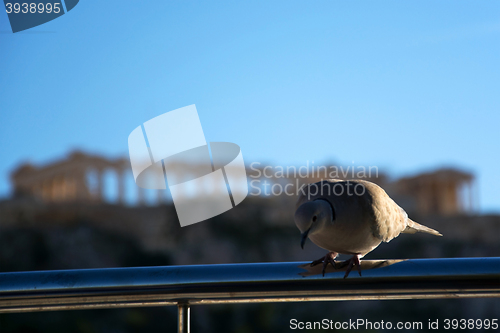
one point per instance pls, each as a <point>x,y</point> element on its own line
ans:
<point>312,216</point>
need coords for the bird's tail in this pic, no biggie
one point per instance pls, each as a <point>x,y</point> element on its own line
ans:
<point>413,227</point>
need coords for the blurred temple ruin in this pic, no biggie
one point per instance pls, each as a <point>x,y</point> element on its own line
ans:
<point>442,192</point>
<point>81,178</point>
<point>68,180</point>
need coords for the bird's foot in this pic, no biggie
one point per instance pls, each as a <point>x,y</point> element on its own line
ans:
<point>355,260</point>
<point>329,258</point>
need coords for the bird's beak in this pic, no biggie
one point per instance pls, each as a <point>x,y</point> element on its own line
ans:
<point>304,237</point>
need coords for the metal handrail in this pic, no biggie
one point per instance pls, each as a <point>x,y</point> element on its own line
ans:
<point>246,283</point>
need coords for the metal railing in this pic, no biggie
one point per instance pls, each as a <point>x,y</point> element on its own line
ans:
<point>246,283</point>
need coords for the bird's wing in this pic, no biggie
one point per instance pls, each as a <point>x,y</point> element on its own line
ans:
<point>389,219</point>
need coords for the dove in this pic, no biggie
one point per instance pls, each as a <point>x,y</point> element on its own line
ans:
<point>350,217</point>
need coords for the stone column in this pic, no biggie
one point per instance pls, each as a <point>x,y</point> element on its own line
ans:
<point>120,175</point>
<point>99,194</point>
<point>470,188</point>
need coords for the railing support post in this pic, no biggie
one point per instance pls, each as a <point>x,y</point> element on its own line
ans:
<point>183,317</point>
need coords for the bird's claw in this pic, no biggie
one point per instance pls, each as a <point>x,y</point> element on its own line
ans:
<point>351,262</point>
<point>328,258</point>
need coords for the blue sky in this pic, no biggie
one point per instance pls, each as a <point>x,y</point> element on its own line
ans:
<point>408,86</point>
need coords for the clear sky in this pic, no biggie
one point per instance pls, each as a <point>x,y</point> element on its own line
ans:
<point>408,86</point>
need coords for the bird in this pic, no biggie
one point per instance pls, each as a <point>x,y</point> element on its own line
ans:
<point>350,217</point>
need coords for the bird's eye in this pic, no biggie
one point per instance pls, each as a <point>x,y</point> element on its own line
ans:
<point>314,218</point>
